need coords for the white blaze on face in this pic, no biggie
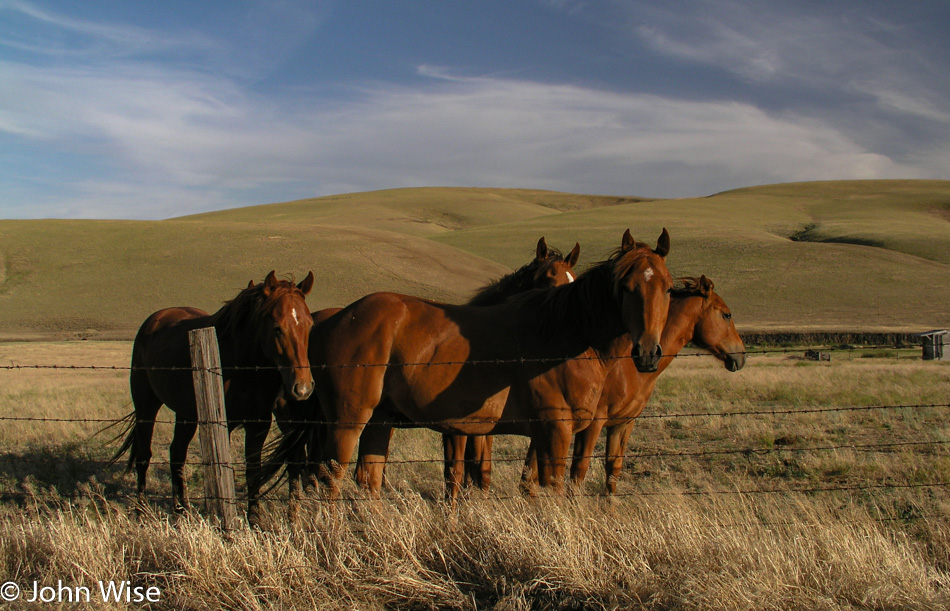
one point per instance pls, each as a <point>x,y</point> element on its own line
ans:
<point>648,274</point>
<point>296,320</point>
<point>570,277</point>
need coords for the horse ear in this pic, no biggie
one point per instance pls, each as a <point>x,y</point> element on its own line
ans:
<point>663,244</point>
<point>705,285</point>
<point>628,242</point>
<point>307,284</point>
<point>250,284</point>
<point>542,252</point>
<point>270,283</point>
<point>573,255</point>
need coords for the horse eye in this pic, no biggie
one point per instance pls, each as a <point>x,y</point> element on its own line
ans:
<point>727,315</point>
<point>278,331</point>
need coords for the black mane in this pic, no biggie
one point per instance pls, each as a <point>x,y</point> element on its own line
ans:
<point>588,307</point>
<point>518,281</point>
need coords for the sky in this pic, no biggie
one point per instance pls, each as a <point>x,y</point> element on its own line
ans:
<point>150,110</point>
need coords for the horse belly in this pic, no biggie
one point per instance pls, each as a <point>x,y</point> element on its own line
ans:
<point>459,403</point>
<point>569,393</point>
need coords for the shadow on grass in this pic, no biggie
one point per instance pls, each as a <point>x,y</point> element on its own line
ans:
<point>63,470</point>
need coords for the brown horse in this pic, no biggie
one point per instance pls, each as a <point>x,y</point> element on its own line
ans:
<point>263,336</point>
<point>532,365</point>
<point>698,315</point>
<point>548,269</point>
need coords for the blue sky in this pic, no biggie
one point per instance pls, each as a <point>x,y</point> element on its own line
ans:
<point>119,109</point>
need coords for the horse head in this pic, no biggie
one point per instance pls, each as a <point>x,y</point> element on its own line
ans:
<point>551,269</point>
<point>284,332</point>
<point>642,284</point>
<point>715,330</point>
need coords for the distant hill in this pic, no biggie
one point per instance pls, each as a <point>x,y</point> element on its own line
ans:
<point>822,256</point>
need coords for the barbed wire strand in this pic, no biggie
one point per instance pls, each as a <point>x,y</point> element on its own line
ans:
<point>782,411</point>
<point>749,451</point>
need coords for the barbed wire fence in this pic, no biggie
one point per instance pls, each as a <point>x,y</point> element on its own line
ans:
<point>931,445</point>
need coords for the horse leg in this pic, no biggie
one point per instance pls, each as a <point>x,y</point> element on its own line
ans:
<point>373,454</point>
<point>178,453</point>
<point>146,404</point>
<point>552,455</point>
<point>254,436</point>
<point>617,437</point>
<point>584,444</point>
<point>316,433</point>
<point>453,447</point>
<point>529,473</point>
<point>478,461</point>
<point>339,445</point>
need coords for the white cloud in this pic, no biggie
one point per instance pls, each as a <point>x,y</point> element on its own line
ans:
<point>205,136</point>
<point>150,141</point>
<point>829,50</point>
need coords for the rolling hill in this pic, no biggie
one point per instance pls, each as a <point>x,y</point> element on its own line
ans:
<point>824,256</point>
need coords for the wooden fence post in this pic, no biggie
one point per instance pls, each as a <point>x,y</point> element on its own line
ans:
<point>213,427</point>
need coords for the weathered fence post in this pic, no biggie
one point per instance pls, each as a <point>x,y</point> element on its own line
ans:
<point>213,427</point>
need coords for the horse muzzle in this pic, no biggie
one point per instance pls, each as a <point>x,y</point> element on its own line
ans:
<point>735,362</point>
<point>647,361</point>
<point>302,390</point>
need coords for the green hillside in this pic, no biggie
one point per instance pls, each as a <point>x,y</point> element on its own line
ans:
<point>825,256</point>
<point>420,212</point>
<point>101,279</point>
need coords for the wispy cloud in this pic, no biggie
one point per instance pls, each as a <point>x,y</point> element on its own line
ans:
<point>831,50</point>
<point>42,32</point>
<point>185,132</point>
<point>149,140</point>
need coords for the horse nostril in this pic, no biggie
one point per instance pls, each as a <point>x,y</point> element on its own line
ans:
<point>302,391</point>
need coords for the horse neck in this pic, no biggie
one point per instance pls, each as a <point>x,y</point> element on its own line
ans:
<point>505,287</point>
<point>680,325</point>
<point>578,316</point>
<point>237,339</point>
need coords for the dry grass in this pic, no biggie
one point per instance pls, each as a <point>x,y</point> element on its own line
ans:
<point>661,552</point>
<point>765,511</point>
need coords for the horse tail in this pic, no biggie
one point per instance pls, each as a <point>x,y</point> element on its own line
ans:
<point>288,446</point>
<point>128,444</point>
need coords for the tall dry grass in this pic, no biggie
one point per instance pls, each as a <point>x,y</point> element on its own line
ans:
<point>799,510</point>
<point>408,552</point>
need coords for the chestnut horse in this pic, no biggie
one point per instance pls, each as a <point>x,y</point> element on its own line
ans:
<point>698,315</point>
<point>532,365</point>
<point>263,336</point>
<point>548,269</point>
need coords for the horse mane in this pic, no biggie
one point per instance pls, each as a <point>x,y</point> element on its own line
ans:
<point>517,281</point>
<point>689,286</point>
<point>589,303</point>
<point>249,305</point>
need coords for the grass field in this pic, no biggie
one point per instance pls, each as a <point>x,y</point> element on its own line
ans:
<point>787,485</point>
<point>829,256</point>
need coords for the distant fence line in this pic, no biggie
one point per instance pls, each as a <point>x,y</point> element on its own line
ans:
<point>849,349</point>
<point>829,338</point>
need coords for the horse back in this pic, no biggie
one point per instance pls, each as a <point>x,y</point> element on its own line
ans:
<point>161,358</point>
<point>390,328</point>
<point>416,353</point>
